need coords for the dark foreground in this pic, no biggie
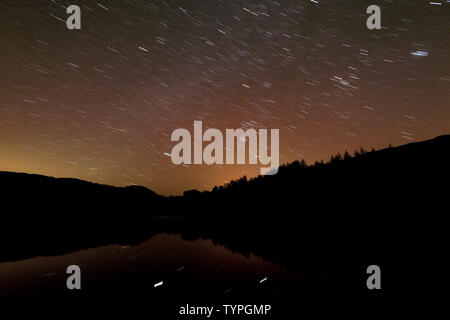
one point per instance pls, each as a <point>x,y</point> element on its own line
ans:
<point>299,241</point>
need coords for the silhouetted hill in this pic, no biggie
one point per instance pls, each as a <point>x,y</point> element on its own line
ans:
<point>386,178</point>
<point>46,215</point>
<point>387,207</point>
<point>35,184</point>
<point>396,193</point>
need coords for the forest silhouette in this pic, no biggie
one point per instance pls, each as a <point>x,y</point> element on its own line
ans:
<point>336,217</point>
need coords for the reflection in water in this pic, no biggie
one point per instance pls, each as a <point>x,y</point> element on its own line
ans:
<point>164,265</point>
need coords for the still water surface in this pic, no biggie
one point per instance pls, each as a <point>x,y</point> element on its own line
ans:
<point>188,269</point>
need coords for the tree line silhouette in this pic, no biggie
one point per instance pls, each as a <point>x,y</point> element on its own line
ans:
<point>389,192</point>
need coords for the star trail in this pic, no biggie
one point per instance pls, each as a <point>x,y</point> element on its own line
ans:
<point>100,103</point>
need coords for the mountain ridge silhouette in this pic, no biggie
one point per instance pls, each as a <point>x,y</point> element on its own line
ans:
<point>393,192</point>
<point>44,179</point>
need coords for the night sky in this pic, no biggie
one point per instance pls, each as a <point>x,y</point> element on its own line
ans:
<point>100,103</point>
